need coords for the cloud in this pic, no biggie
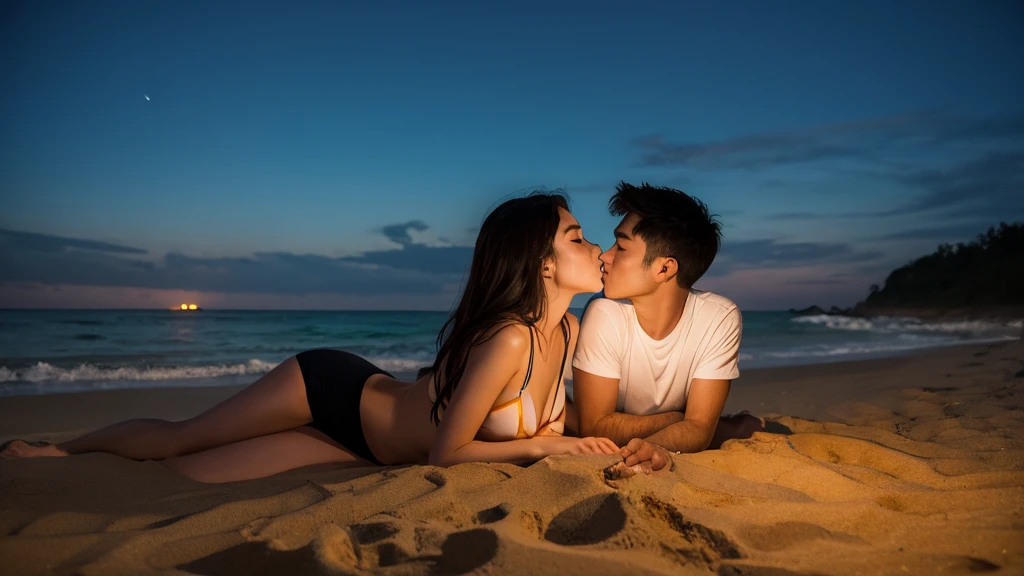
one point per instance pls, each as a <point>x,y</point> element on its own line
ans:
<point>782,288</point>
<point>864,139</point>
<point>770,253</point>
<point>399,233</point>
<point>45,243</point>
<point>415,268</point>
<point>950,233</point>
<point>434,259</point>
<point>991,184</point>
<point>750,151</point>
<point>988,187</point>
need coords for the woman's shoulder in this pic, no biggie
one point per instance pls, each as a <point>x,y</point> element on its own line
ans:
<point>509,336</point>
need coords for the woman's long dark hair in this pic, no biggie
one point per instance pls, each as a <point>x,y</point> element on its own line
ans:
<point>504,286</point>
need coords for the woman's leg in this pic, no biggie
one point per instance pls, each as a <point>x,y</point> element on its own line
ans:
<point>263,456</point>
<point>274,403</point>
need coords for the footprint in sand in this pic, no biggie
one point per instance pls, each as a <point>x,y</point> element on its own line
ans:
<point>436,478</point>
<point>593,520</point>
<point>466,551</point>
<point>372,532</point>
<point>492,515</point>
<point>782,535</point>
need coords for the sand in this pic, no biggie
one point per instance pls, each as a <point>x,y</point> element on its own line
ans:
<point>905,465</point>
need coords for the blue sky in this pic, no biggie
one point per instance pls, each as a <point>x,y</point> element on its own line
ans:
<point>341,155</point>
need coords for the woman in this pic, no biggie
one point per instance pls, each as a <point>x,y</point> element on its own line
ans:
<point>494,394</point>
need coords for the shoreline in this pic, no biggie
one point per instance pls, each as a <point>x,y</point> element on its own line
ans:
<point>44,416</point>
<point>239,381</point>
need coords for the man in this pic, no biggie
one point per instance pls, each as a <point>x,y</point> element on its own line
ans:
<point>655,357</point>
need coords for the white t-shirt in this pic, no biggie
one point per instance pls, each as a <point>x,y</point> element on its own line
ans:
<point>655,375</point>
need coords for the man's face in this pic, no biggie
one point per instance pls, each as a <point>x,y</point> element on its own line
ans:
<point>624,274</point>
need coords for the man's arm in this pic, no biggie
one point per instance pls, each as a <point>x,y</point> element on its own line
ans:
<point>693,434</point>
<point>703,409</point>
<point>596,397</point>
<point>705,400</point>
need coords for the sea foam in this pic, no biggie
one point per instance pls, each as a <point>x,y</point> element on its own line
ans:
<point>45,372</point>
<point>894,325</point>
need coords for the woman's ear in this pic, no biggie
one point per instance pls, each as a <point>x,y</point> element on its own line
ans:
<point>547,269</point>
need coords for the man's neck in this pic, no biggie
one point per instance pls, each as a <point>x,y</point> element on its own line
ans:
<point>659,313</point>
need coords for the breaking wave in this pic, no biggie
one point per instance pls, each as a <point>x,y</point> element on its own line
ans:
<point>897,325</point>
<point>45,372</point>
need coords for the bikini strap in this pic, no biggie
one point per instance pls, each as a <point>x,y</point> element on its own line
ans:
<point>564,324</point>
<point>529,369</point>
<point>565,354</point>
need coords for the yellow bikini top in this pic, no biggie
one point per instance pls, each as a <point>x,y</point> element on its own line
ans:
<point>517,418</point>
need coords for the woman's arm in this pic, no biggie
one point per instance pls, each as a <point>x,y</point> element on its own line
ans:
<point>490,367</point>
<point>525,450</point>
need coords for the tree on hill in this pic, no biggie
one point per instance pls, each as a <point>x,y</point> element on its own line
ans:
<point>987,271</point>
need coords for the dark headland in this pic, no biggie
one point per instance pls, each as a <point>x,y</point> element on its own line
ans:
<point>983,279</point>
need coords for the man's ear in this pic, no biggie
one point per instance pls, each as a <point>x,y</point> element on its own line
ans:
<point>665,268</point>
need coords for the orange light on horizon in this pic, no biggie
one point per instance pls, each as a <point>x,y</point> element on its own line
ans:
<point>192,307</point>
<point>184,306</point>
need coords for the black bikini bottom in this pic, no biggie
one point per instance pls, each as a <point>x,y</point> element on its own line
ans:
<point>334,384</point>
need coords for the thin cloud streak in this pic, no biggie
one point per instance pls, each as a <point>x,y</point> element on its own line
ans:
<point>771,253</point>
<point>415,268</point>
<point>14,240</point>
<point>857,140</point>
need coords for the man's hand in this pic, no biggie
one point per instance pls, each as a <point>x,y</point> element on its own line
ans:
<point>644,456</point>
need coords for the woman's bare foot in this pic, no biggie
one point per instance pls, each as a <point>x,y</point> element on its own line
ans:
<point>22,449</point>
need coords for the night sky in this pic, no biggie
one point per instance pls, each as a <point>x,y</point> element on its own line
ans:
<point>342,154</point>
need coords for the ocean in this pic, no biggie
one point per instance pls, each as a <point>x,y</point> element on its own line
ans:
<point>56,351</point>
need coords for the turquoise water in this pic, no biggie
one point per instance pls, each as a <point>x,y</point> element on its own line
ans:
<point>52,351</point>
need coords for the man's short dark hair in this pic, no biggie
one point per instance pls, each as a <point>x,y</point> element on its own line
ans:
<point>672,224</point>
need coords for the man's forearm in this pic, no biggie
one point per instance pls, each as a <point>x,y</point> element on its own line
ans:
<point>684,436</point>
<point>621,428</point>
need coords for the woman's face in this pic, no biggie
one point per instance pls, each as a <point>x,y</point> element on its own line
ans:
<point>577,261</point>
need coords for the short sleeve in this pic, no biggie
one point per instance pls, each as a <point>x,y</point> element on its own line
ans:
<point>720,360</point>
<point>600,344</point>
